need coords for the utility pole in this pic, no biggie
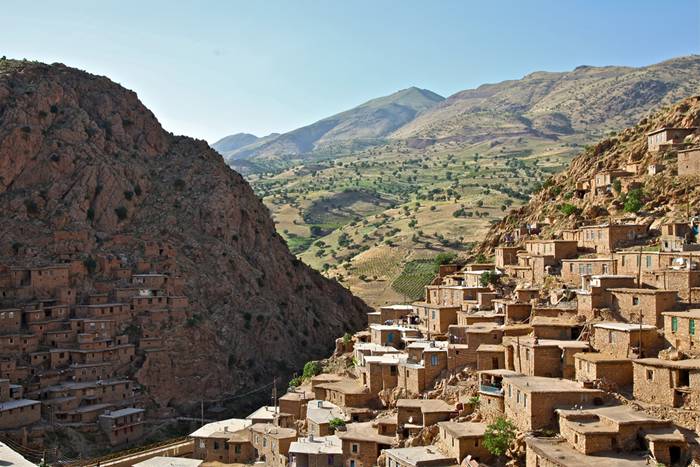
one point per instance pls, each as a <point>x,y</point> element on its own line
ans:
<point>201,413</point>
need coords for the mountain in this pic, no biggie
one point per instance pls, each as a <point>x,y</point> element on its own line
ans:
<point>232,142</point>
<point>588,100</point>
<point>88,177</point>
<point>662,195</point>
<point>360,125</point>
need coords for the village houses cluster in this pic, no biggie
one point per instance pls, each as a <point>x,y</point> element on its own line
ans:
<point>548,335</point>
<point>553,330</point>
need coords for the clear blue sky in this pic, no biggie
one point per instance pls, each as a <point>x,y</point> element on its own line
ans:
<point>208,69</point>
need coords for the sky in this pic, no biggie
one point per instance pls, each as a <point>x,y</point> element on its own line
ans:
<point>208,69</point>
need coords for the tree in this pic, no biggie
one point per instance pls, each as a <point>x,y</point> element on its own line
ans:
<point>498,436</point>
<point>311,369</point>
<point>568,209</point>
<point>336,423</point>
<point>633,200</point>
<point>488,277</point>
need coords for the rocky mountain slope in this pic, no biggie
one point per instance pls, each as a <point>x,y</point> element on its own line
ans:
<point>664,195</point>
<point>590,100</point>
<point>363,124</point>
<point>79,153</point>
<point>232,142</point>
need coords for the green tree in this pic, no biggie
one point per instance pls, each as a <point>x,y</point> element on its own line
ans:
<point>633,200</point>
<point>336,423</point>
<point>488,277</point>
<point>568,209</point>
<point>311,369</point>
<point>498,436</point>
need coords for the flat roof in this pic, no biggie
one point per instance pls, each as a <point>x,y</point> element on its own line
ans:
<point>317,445</point>
<point>641,291</point>
<point>562,344</point>
<point>690,364</point>
<point>695,313</point>
<point>600,357</point>
<point>231,424</point>
<point>295,395</point>
<point>491,348</point>
<point>464,430</point>
<point>321,411</point>
<point>162,461</point>
<point>364,432</point>
<point>560,452</point>
<point>15,404</point>
<point>122,412</point>
<point>345,386</point>
<point>542,384</point>
<point>666,128</point>
<point>274,431</point>
<point>622,414</point>
<point>414,455</point>
<point>12,458</point>
<point>625,327</point>
<point>397,307</point>
<point>426,405</point>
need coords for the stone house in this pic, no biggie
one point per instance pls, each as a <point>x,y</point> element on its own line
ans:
<point>595,294</point>
<point>319,414</point>
<point>490,357</point>
<point>381,372</point>
<point>491,402</point>
<point>391,335</point>
<point>621,428</point>
<point>314,451</point>
<point>462,439</point>
<point>684,281</point>
<point>294,402</point>
<point>594,366</point>
<point>633,261</point>
<point>666,138</point>
<point>555,328</point>
<point>512,311</point>
<point>689,162</point>
<point>506,255</point>
<point>18,413</point>
<point>367,349</point>
<point>210,441</point>
<point>607,238</point>
<point>436,319</point>
<point>671,383</point>
<point>122,426</point>
<point>558,249</point>
<point>631,303</point>
<point>602,183</point>
<point>530,401</point>
<point>468,318</point>
<point>345,393</point>
<point>271,443</point>
<point>10,320</point>
<point>623,340</point>
<point>543,357</point>
<point>449,296</point>
<point>418,456</point>
<point>389,313</point>
<point>415,414</point>
<point>557,452</point>
<point>572,270</point>
<point>362,444</point>
<point>680,331</point>
<point>475,335</point>
<point>415,377</point>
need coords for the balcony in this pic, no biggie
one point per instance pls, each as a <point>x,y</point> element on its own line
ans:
<point>492,390</point>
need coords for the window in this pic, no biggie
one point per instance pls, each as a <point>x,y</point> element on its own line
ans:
<point>354,448</point>
<point>610,337</point>
<point>691,327</point>
<point>635,300</point>
<point>330,459</point>
<point>517,396</point>
<point>650,375</point>
<point>509,392</point>
<point>674,324</point>
<point>390,338</point>
<point>434,360</point>
<point>648,261</point>
<point>352,463</point>
<point>433,317</point>
<point>237,449</point>
<point>524,400</point>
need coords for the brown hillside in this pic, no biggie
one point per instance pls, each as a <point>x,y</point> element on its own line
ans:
<point>665,195</point>
<point>82,158</point>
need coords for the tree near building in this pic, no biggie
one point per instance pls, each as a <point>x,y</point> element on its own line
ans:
<point>498,436</point>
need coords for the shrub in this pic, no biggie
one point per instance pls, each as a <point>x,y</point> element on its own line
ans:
<point>347,337</point>
<point>295,382</point>
<point>498,436</point>
<point>568,209</point>
<point>121,213</point>
<point>311,369</point>
<point>336,423</point>
<point>488,277</point>
<point>633,200</point>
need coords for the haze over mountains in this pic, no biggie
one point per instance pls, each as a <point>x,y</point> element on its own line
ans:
<point>587,100</point>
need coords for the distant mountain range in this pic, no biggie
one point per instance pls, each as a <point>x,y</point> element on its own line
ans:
<point>588,101</point>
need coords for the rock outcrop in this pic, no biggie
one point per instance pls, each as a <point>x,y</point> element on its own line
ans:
<point>81,156</point>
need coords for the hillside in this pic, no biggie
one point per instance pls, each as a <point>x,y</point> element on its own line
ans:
<point>231,143</point>
<point>663,196</point>
<point>356,127</point>
<point>82,158</point>
<point>588,100</point>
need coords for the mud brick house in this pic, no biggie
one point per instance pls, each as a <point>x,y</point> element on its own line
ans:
<point>381,372</point>
<point>555,328</point>
<point>530,401</point>
<point>624,339</point>
<point>491,402</point>
<point>543,357</point>
<point>271,443</point>
<point>689,162</point>
<point>623,429</point>
<point>270,414</point>
<point>475,335</point>
<point>122,426</point>
<point>10,320</point>
<point>506,256</point>
<point>449,296</point>
<point>557,452</point>
<point>671,383</point>
<point>17,413</point>
<point>415,377</point>
<point>415,414</point>
<point>684,281</point>
<point>593,366</point>
<point>389,313</point>
<point>606,238</point>
<point>435,319</point>
<point>572,270</point>
<point>419,456</point>
<point>490,357</point>
<point>631,303</point>
<point>595,292</point>
<point>677,237</point>
<point>210,441</point>
<point>467,318</point>
<point>633,260</point>
<point>680,330</point>
<point>558,249</point>
<point>391,335</point>
<point>602,182</point>
<point>362,350</point>
<point>513,312</point>
<point>362,444</point>
<point>666,138</point>
<point>345,393</point>
<point>319,414</point>
<point>314,451</point>
<point>462,439</point>
<point>295,402</point>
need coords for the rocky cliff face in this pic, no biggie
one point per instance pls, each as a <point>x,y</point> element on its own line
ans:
<point>665,196</point>
<point>80,153</point>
